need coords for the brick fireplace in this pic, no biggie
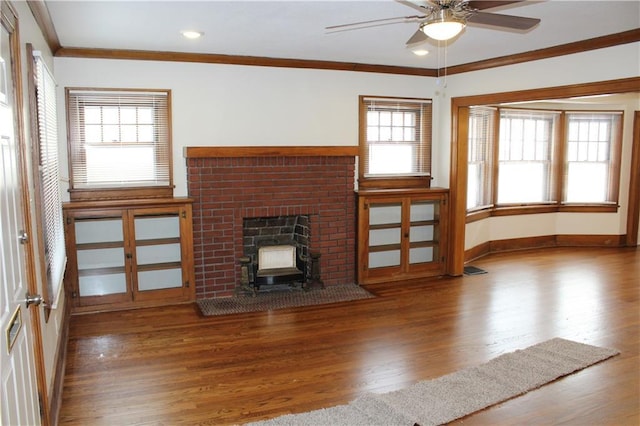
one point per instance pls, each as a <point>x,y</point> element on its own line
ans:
<point>230,185</point>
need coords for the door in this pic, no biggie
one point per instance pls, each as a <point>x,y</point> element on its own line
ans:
<point>19,404</point>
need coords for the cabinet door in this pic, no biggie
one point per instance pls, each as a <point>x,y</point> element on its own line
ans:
<point>424,234</point>
<point>100,256</point>
<point>400,237</point>
<point>383,237</point>
<point>158,251</point>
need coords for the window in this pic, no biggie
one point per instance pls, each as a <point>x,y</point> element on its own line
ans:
<point>395,139</point>
<point>591,154</point>
<point>47,181</point>
<point>526,144</point>
<point>119,141</point>
<point>481,135</point>
<point>531,161</point>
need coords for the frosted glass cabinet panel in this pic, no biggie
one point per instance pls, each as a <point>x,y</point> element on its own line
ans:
<point>98,230</point>
<point>102,285</point>
<point>385,234</point>
<point>385,214</point>
<point>129,253</point>
<point>100,256</point>
<point>423,231</point>
<point>158,252</point>
<point>155,227</point>
<point>159,279</point>
<point>399,234</point>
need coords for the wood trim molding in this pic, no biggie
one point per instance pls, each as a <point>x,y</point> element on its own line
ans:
<point>623,85</point>
<point>257,61</point>
<point>633,208</point>
<point>125,203</point>
<point>269,151</point>
<point>543,241</point>
<point>41,14</point>
<point>60,363</point>
<point>625,37</point>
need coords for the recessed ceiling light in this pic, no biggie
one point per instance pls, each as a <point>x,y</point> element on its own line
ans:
<point>192,34</point>
<point>420,52</point>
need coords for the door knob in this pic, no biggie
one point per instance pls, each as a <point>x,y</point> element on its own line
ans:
<point>33,299</point>
<point>23,237</point>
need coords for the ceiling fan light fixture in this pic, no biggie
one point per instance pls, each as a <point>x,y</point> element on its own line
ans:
<point>444,26</point>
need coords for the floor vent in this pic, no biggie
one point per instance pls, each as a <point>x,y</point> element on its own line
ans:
<point>473,270</point>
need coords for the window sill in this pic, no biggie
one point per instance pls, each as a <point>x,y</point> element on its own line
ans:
<point>394,182</point>
<point>120,193</point>
<point>477,215</point>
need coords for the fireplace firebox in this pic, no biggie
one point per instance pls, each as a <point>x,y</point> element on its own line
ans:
<point>276,253</point>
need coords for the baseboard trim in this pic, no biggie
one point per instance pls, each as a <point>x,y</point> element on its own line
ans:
<point>55,394</point>
<point>525,243</point>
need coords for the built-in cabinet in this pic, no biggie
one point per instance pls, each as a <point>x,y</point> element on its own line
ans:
<point>400,234</point>
<point>125,254</point>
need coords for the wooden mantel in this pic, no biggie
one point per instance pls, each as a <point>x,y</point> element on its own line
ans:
<point>269,151</point>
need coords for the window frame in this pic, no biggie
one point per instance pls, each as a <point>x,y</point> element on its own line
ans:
<point>391,181</point>
<point>558,166</point>
<point>553,119</point>
<point>123,191</point>
<point>615,154</point>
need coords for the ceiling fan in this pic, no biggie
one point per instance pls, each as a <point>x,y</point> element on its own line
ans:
<point>445,19</point>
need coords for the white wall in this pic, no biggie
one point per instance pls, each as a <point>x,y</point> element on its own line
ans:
<point>51,330</point>
<point>229,105</point>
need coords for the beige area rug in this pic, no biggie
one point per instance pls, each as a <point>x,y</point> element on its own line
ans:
<point>456,395</point>
<point>280,299</point>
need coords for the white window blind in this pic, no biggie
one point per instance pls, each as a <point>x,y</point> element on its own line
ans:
<point>51,200</point>
<point>480,156</point>
<point>592,140</point>
<point>119,138</point>
<point>397,137</point>
<point>526,146</point>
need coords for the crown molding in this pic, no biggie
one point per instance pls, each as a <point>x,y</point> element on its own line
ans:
<point>41,14</point>
<point>625,37</point>
<point>257,61</point>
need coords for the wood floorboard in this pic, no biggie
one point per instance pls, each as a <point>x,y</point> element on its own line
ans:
<point>172,366</point>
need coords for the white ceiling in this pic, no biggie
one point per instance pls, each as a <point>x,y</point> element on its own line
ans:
<point>296,29</point>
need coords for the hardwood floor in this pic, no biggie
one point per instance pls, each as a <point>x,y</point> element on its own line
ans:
<point>170,366</point>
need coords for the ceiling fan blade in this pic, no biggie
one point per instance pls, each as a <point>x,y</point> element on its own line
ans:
<point>417,38</point>
<point>373,23</point>
<point>506,21</point>
<point>488,4</point>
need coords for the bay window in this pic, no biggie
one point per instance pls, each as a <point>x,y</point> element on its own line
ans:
<point>533,160</point>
